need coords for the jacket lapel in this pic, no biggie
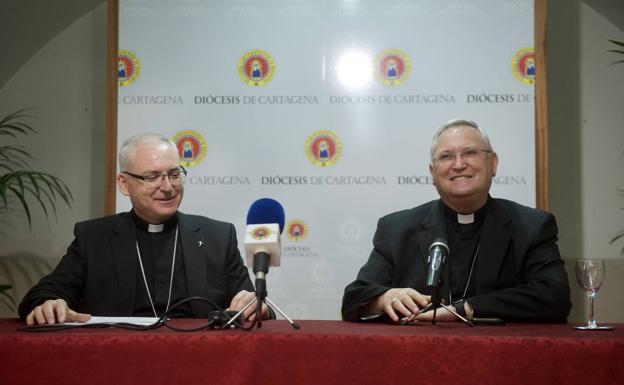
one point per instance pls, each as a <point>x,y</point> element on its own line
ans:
<point>123,244</point>
<point>434,227</point>
<point>493,244</point>
<point>195,266</point>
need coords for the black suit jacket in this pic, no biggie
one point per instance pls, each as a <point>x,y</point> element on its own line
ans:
<point>98,274</point>
<point>518,275</point>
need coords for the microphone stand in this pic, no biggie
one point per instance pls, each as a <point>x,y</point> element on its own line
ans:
<point>261,269</point>
<point>436,303</point>
<point>437,254</point>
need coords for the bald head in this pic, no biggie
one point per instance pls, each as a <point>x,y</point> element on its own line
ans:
<point>457,123</point>
<point>131,144</point>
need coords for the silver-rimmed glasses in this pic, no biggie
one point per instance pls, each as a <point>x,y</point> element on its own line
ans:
<point>468,155</point>
<point>155,180</point>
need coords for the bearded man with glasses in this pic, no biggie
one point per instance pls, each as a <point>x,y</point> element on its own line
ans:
<point>504,261</point>
<point>141,262</point>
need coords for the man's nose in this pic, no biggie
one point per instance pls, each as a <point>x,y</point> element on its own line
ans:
<point>459,162</point>
<point>166,184</point>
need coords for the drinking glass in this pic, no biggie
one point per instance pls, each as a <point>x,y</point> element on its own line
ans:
<point>590,275</point>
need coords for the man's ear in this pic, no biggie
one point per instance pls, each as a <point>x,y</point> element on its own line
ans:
<point>431,172</point>
<point>122,184</point>
<point>494,163</point>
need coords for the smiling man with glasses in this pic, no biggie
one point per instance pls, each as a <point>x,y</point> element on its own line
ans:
<point>503,261</point>
<point>142,262</point>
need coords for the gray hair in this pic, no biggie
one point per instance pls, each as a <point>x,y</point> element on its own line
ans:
<point>134,141</point>
<point>458,123</point>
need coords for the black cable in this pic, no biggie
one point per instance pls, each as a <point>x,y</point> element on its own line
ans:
<point>216,319</point>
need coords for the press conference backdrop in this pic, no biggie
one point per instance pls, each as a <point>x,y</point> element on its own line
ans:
<point>327,107</point>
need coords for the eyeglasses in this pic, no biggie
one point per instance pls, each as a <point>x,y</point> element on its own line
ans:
<point>176,177</point>
<point>467,155</point>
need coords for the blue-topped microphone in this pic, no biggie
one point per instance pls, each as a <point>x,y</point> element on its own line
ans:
<point>266,210</point>
<point>265,221</point>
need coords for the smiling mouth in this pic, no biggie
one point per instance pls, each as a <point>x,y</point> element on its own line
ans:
<point>168,199</point>
<point>461,177</point>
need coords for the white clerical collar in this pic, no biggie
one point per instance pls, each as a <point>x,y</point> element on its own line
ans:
<point>155,228</point>
<point>465,219</point>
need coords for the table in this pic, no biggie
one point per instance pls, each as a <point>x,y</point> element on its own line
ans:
<point>322,352</point>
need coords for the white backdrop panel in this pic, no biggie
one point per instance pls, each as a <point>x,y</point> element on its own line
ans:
<point>461,56</point>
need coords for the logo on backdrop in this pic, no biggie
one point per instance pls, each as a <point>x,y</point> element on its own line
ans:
<point>323,148</point>
<point>322,272</point>
<point>351,231</point>
<point>191,147</point>
<point>296,230</point>
<point>261,233</point>
<point>256,67</point>
<point>128,68</point>
<point>392,67</point>
<point>523,65</point>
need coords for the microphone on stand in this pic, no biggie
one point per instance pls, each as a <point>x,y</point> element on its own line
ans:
<point>265,221</point>
<point>438,251</point>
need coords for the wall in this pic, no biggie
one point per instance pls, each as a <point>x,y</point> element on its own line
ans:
<point>602,135</point>
<point>585,94</point>
<point>602,154</point>
<point>64,84</point>
<point>27,25</point>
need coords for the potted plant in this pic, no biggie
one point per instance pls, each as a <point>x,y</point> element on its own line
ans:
<point>21,186</point>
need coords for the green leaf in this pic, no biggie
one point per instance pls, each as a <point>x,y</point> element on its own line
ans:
<point>20,196</point>
<point>11,124</point>
<point>617,42</point>
<point>38,198</point>
<point>621,44</point>
<point>616,237</point>
<point>6,298</point>
<point>17,183</point>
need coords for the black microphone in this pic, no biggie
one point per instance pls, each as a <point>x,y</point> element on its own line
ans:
<point>438,251</point>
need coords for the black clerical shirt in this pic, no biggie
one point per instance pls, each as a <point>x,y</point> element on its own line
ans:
<point>463,242</point>
<point>157,255</point>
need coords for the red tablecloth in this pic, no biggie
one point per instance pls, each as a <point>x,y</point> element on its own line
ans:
<point>322,352</point>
